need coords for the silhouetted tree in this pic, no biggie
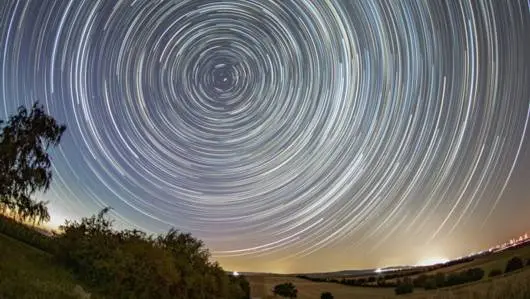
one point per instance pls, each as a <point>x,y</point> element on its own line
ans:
<point>25,165</point>
<point>287,290</point>
<point>326,295</point>
<point>513,264</point>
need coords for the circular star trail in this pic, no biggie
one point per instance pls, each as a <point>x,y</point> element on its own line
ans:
<point>277,126</point>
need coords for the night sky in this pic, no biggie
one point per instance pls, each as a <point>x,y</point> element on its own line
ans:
<point>288,135</point>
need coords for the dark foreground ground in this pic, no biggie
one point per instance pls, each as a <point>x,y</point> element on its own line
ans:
<point>29,273</point>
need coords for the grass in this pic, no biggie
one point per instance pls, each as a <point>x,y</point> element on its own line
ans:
<point>261,287</point>
<point>514,285</point>
<point>29,273</point>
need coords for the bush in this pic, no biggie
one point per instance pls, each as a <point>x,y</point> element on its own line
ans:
<point>495,272</point>
<point>430,284</point>
<point>454,279</point>
<point>440,279</point>
<point>419,281</point>
<point>131,264</point>
<point>326,295</point>
<point>405,287</point>
<point>361,281</point>
<point>513,264</point>
<point>474,274</point>
<point>287,290</point>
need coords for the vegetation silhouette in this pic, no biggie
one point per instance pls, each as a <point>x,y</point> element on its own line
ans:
<point>404,286</point>
<point>287,290</point>
<point>513,264</point>
<point>326,295</point>
<point>119,264</point>
<point>25,165</point>
<point>130,263</point>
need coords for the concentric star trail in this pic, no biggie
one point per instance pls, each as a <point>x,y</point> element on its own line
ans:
<point>278,127</point>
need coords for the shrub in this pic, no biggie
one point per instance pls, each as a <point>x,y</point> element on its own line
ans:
<point>440,279</point>
<point>495,272</point>
<point>361,281</point>
<point>513,264</point>
<point>455,279</point>
<point>420,281</point>
<point>430,284</point>
<point>287,290</point>
<point>130,264</point>
<point>405,287</point>
<point>381,281</point>
<point>326,295</point>
<point>474,274</point>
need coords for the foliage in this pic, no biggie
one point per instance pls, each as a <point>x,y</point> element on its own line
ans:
<point>131,264</point>
<point>242,283</point>
<point>287,290</point>
<point>440,279</point>
<point>513,264</point>
<point>381,281</point>
<point>430,284</point>
<point>420,280</point>
<point>495,272</point>
<point>469,275</point>
<point>404,287</point>
<point>25,165</point>
<point>326,295</point>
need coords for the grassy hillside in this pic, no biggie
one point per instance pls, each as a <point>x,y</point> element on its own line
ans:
<point>509,286</point>
<point>29,273</point>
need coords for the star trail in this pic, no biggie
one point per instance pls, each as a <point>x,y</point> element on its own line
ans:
<point>279,130</point>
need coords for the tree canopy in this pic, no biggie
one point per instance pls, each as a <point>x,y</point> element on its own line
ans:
<point>25,165</point>
<point>132,264</point>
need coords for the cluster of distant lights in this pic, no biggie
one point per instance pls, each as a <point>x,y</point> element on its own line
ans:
<point>438,261</point>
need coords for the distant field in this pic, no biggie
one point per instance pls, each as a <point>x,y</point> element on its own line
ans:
<point>261,287</point>
<point>508,286</point>
<point>27,272</point>
<point>514,285</point>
